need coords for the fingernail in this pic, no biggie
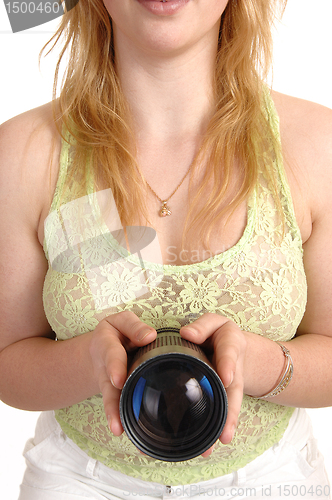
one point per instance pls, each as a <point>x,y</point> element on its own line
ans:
<point>190,329</point>
<point>109,422</point>
<point>144,333</point>
<point>227,436</point>
<point>114,385</point>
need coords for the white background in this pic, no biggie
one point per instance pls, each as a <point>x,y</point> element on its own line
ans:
<point>302,67</point>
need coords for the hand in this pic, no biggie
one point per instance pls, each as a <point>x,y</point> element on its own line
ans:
<point>228,344</point>
<point>111,340</point>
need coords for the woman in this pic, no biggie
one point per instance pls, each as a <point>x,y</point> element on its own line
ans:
<point>168,90</point>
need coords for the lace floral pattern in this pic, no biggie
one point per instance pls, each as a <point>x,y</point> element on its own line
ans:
<point>259,283</point>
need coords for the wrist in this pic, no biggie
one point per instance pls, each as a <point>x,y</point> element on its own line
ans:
<point>285,377</point>
<point>264,365</point>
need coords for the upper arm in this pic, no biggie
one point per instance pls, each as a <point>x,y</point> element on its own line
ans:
<point>306,130</point>
<point>26,156</point>
<point>318,247</point>
<point>318,262</point>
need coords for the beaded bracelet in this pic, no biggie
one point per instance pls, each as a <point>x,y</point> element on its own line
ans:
<point>286,376</point>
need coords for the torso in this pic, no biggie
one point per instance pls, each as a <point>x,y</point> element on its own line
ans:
<point>170,229</point>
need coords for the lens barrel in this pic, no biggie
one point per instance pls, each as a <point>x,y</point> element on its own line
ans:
<point>173,405</point>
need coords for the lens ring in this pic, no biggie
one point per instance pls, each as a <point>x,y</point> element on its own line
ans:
<point>206,416</point>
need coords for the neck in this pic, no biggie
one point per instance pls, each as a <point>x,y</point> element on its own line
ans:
<point>170,97</point>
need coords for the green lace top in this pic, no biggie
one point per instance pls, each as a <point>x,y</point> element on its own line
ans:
<point>259,283</point>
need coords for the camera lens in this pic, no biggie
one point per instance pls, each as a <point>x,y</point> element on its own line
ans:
<point>173,405</point>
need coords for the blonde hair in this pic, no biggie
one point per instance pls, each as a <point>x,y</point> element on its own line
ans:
<point>94,111</point>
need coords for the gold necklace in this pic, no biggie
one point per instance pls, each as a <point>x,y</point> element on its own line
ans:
<point>164,210</point>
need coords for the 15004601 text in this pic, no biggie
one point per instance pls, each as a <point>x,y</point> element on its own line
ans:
<point>33,7</point>
<point>293,491</point>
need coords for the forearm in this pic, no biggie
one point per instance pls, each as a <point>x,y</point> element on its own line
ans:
<point>41,374</point>
<point>311,383</point>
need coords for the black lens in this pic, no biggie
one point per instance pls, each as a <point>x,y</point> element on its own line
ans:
<point>173,407</point>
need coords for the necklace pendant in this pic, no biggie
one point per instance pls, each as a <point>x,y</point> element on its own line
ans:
<point>164,211</point>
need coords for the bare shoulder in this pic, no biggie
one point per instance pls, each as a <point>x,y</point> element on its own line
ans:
<point>34,129</point>
<point>29,151</point>
<point>306,130</point>
<point>306,135</point>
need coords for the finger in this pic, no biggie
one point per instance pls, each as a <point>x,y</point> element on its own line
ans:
<point>111,399</point>
<point>229,349</point>
<point>115,361</point>
<point>109,357</point>
<point>228,360</point>
<point>203,328</point>
<point>208,452</point>
<point>227,353</point>
<point>234,396</point>
<point>110,343</point>
<point>127,325</point>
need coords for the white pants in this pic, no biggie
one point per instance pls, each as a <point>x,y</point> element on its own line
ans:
<point>58,470</point>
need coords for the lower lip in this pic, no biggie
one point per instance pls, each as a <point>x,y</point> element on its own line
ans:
<point>163,8</point>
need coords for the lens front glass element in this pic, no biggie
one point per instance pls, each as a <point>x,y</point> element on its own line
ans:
<point>175,407</point>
